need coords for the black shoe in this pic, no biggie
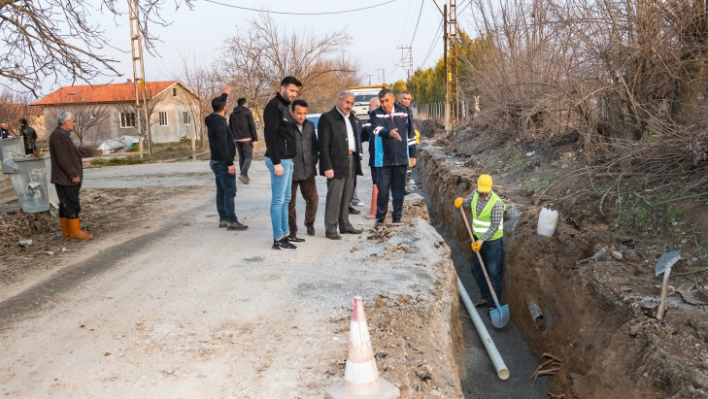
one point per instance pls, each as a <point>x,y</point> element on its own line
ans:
<point>244,179</point>
<point>353,211</point>
<point>351,230</point>
<point>480,304</point>
<point>236,226</point>
<point>379,223</point>
<point>396,221</point>
<point>223,223</point>
<point>293,238</point>
<point>310,231</point>
<point>283,245</point>
<point>333,236</point>
<point>408,191</point>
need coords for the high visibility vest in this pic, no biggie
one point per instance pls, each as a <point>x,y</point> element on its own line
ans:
<point>482,222</point>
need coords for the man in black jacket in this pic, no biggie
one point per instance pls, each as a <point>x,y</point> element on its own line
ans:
<point>243,129</point>
<point>223,151</point>
<point>339,162</point>
<point>304,168</point>
<point>280,151</point>
<point>30,136</point>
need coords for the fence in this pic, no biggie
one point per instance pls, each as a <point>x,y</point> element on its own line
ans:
<point>436,111</point>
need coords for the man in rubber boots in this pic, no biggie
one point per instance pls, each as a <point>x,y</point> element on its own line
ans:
<point>488,228</point>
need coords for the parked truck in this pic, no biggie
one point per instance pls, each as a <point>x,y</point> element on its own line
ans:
<point>362,96</point>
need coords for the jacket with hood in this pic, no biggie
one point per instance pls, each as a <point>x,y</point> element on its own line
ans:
<point>242,124</point>
<point>389,151</point>
<point>305,162</point>
<point>278,132</point>
<point>221,143</point>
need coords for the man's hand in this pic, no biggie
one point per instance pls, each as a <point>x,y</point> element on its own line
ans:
<point>394,133</point>
<point>232,170</point>
<point>412,163</point>
<point>329,174</point>
<point>278,169</point>
<point>477,245</point>
<point>226,90</point>
<point>76,180</point>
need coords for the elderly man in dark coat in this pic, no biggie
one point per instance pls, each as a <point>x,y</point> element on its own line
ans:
<point>67,175</point>
<point>339,162</point>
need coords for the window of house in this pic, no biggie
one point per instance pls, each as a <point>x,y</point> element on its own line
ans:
<point>127,119</point>
<point>174,92</point>
<point>187,118</point>
<point>163,118</point>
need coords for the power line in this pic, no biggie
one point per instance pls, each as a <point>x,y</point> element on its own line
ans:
<point>302,13</point>
<point>420,13</point>
<point>432,45</point>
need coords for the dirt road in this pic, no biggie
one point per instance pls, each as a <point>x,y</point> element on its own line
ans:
<point>176,307</point>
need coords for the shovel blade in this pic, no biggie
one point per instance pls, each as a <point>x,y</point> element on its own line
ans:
<point>500,316</point>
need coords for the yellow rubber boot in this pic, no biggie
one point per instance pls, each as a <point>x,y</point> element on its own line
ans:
<point>76,233</point>
<point>65,227</point>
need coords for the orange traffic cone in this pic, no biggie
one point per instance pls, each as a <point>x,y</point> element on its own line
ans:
<point>374,197</point>
<point>361,377</point>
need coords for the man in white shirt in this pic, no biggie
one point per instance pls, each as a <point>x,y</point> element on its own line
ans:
<point>339,162</point>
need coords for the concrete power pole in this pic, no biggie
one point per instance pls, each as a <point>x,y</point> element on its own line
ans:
<point>454,43</point>
<point>136,46</point>
<point>448,75</point>
<point>382,76</point>
<point>406,63</point>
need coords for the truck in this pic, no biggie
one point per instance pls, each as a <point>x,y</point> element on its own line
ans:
<point>362,96</point>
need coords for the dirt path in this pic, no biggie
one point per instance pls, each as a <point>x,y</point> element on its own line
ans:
<point>176,307</point>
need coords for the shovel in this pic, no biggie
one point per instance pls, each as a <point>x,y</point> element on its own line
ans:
<point>500,315</point>
<point>664,265</point>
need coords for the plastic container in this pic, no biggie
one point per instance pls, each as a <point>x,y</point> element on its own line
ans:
<point>547,222</point>
<point>32,183</point>
<point>9,149</point>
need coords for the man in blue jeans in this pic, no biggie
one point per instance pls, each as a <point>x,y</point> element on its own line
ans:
<point>223,151</point>
<point>281,148</point>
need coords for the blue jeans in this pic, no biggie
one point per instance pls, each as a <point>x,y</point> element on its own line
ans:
<point>225,192</point>
<point>281,188</point>
<point>492,253</point>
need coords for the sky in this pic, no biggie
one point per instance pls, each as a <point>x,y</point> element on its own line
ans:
<point>376,33</point>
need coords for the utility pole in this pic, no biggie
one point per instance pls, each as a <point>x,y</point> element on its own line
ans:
<point>454,43</point>
<point>382,76</point>
<point>406,63</point>
<point>136,46</point>
<point>448,75</point>
<point>369,75</point>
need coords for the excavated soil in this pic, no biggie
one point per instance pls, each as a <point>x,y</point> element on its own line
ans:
<point>599,318</point>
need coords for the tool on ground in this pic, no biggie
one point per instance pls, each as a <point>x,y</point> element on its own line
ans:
<point>500,315</point>
<point>664,265</point>
<point>494,356</point>
<point>361,377</point>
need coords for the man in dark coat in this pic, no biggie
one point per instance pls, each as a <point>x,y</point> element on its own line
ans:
<point>29,135</point>
<point>67,174</point>
<point>223,152</point>
<point>243,129</point>
<point>304,168</point>
<point>339,162</point>
<point>4,130</point>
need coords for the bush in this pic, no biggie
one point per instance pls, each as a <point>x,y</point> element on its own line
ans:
<point>87,151</point>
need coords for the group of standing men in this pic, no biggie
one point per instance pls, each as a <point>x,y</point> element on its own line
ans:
<point>27,132</point>
<point>294,148</point>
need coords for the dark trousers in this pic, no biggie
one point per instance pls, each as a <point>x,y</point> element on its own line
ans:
<point>492,253</point>
<point>28,151</point>
<point>69,205</point>
<point>225,192</point>
<point>308,188</point>
<point>245,156</point>
<point>374,175</point>
<point>391,179</point>
<point>339,195</point>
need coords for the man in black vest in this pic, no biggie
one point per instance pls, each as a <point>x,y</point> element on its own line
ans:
<point>339,162</point>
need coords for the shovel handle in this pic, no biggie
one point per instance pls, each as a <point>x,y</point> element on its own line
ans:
<point>662,305</point>
<point>481,262</point>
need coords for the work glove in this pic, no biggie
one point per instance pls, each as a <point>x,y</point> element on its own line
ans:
<point>458,202</point>
<point>476,246</point>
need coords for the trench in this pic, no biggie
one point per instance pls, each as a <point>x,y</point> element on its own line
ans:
<point>481,381</point>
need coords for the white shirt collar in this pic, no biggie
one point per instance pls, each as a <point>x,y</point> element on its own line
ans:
<point>342,113</point>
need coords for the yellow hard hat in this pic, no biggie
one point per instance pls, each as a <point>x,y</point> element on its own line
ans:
<point>484,184</point>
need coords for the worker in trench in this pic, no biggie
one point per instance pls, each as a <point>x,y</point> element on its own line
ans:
<point>487,211</point>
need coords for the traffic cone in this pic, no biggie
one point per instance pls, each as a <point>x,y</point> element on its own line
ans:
<point>374,197</point>
<point>361,377</point>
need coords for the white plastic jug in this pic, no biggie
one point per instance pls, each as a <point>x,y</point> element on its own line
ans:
<point>547,222</point>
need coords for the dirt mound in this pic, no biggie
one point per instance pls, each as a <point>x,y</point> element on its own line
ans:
<point>598,317</point>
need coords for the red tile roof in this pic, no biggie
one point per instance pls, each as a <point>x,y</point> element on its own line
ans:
<point>109,93</point>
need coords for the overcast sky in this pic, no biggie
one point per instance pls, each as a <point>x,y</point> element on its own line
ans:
<point>376,33</point>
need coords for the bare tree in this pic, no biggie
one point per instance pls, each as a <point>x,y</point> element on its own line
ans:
<point>89,119</point>
<point>199,79</point>
<point>53,38</point>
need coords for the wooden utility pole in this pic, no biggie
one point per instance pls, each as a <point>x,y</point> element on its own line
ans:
<point>136,46</point>
<point>448,75</point>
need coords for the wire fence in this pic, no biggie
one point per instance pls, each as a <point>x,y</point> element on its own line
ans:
<point>436,111</point>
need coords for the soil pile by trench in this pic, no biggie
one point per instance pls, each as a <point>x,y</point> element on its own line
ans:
<point>599,317</point>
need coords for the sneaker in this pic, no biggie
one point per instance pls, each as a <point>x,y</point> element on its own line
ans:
<point>283,245</point>
<point>236,226</point>
<point>244,179</point>
<point>354,211</point>
<point>310,231</point>
<point>223,223</point>
<point>293,238</point>
<point>357,202</point>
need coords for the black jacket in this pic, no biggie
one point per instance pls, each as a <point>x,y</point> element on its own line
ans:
<point>389,151</point>
<point>30,136</point>
<point>334,144</point>
<point>242,124</point>
<point>221,143</point>
<point>308,152</point>
<point>278,132</point>
<point>368,136</point>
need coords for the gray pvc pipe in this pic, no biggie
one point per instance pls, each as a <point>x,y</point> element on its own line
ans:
<point>502,370</point>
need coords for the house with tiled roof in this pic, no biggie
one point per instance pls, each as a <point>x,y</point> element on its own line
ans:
<point>107,111</point>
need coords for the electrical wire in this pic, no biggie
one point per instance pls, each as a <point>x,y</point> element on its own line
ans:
<point>432,45</point>
<point>302,13</point>
<point>420,13</point>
